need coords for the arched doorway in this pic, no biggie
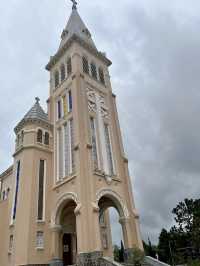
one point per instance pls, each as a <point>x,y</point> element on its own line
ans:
<point>68,239</point>
<point>64,232</point>
<point>111,214</point>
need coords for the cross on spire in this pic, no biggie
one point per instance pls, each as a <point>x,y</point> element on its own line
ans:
<point>74,4</point>
<point>37,99</point>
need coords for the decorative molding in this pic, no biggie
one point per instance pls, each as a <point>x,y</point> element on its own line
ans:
<point>115,196</point>
<point>77,210</point>
<point>95,207</point>
<point>64,197</point>
<point>54,59</point>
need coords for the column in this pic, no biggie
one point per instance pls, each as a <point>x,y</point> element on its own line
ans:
<point>55,236</point>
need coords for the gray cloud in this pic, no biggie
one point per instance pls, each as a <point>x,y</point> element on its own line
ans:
<point>154,46</point>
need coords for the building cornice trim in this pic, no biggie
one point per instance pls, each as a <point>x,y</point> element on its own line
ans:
<point>33,147</point>
<point>54,59</point>
<point>32,121</point>
<point>7,172</point>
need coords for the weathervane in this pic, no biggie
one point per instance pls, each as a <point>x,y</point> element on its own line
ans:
<point>74,4</point>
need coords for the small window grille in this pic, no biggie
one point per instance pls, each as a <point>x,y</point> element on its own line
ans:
<point>40,239</point>
<point>69,101</point>
<point>62,71</point>
<point>46,138</point>
<point>101,76</point>
<point>56,79</point>
<point>39,136</point>
<point>59,109</point>
<point>69,66</point>
<point>94,70</point>
<point>85,65</point>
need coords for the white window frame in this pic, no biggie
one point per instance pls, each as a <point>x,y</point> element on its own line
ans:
<point>39,243</point>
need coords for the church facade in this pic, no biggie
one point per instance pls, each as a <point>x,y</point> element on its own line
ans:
<point>69,165</point>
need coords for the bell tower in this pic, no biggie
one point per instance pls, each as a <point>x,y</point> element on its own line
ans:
<point>90,168</point>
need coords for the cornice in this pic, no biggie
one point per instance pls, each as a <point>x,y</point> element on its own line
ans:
<point>7,172</point>
<point>40,148</point>
<point>32,121</point>
<point>54,59</point>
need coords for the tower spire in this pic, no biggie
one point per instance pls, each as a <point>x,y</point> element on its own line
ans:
<point>74,4</point>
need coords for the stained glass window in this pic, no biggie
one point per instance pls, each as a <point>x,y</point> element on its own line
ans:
<point>16,191</point>
<point>94,70</point>
<point>60,154</point>
<point>71,129</point>
<point>69,101</point>
<point>59,109</point>
<point>94,143</point>
<point>41,191</point>
<point>66,150</point>
<point>109,150</point>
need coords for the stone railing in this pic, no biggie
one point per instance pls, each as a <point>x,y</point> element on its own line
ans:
<point>153,262</point>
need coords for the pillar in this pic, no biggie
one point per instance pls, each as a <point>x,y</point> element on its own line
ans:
<point>55,245</point>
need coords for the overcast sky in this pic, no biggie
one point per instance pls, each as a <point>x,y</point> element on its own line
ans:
<point>155,49</point>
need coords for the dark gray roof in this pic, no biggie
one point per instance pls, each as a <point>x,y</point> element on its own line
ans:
<point>75,25</point>
<point>35,114</point>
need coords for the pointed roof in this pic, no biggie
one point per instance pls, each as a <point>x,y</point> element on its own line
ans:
<point>35,114</point>
<point>75,25</point>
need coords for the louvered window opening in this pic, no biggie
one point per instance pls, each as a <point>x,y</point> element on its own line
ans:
<point>60,154</point>
<point>69,66</point>
<point>85,65</point>
<point>63,74</point>
<point>39,136</point>
<point>101,76</point>
<point>94,71</point>
<point>56,78</point>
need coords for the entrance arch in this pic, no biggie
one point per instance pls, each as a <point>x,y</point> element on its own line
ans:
<point>106,199</point>
<point>64,232</point>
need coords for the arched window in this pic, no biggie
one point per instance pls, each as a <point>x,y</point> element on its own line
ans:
<point>85,65</point>
<point>62,72</point>
<point>56,78</point>
<point>94,70</point>
<point>69,66</point>
<point>39,136</point>
<point>101,76</point>
<point>46,138</point>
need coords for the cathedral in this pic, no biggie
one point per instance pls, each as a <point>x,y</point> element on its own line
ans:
<point>69,166</point>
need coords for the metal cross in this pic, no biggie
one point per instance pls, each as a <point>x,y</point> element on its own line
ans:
<point>37,99</point>
<point>74,4</point>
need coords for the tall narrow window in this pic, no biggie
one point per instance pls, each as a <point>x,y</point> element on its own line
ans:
<point>69,101</point>
<point>16,191</point>
<point>94,143</point>
<point>69,66</point>
<point>59,109</point>
<point>39,136</point>
<point>60,154</point>
<point>85,65</point>
<point>41,195</point>
<point>94,70</point>
<point>66,150</point>
<point>109,150</point>
<point>62,72</point>
<point>71,130</point>
<point>101,76</point>
<point>65,111</point>
<point>22,136</point>
<point>56,79</point>
<point>40,240</point>
<point>46,138</point>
